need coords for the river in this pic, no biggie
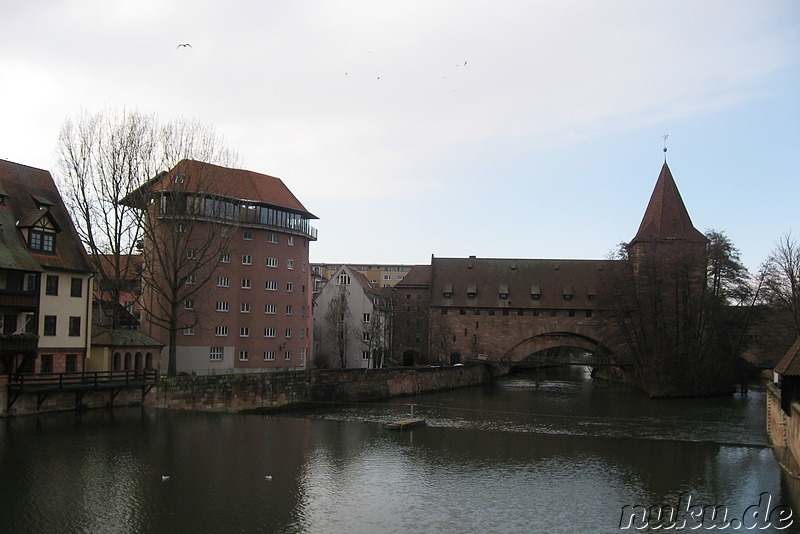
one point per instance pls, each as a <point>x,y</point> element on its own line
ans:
<point>566,454</point>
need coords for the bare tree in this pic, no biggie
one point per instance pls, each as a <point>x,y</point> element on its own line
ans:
<point>374,331</point>
<point>441,339</point>
<point>781,275</point>
<point>108,163</point>
<point>338,321</point>
<point>673,322</point>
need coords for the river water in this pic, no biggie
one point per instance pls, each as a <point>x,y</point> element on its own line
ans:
<point>565,455</point>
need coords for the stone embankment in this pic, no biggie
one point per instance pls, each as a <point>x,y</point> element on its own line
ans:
<point>265,391</point>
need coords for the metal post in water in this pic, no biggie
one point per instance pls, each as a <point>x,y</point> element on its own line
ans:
<point>412,411</point>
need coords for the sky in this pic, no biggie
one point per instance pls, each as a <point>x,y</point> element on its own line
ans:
<point>503,129</point>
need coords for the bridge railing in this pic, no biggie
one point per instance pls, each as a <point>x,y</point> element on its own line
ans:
<point>86,379</point>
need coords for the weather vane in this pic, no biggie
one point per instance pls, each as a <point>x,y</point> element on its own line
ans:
<point>665,137</point>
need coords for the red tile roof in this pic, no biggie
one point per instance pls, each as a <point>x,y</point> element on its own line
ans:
<point>519,279</point>
<point>29,188</point>
<point>790,363</point>
<point>666,216</point>
<point>232,183</point>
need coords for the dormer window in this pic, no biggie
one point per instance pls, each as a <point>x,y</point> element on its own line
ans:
<point>472,291</point>
<point>592,291</point>
<point>503,292</point>
<point>567,293</point>
<point>39,241</point>
<point>42,203</point>
<point>3,196</point>
<point>448,291</point>
<point>536,293</point>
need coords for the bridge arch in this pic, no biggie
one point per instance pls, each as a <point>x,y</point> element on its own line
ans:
<point>598,353</point>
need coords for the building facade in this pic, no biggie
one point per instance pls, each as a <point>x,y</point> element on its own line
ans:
<point>351,322</point>
<point>45,293</point>
<point>238,244</point>
<point>385,275</point>
<point>459,309</point>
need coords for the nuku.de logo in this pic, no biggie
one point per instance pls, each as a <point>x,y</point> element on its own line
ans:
<point>687,516</point>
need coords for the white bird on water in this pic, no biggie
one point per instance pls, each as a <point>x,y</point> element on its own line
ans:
<point>164,478</point>
<point>268,477</point>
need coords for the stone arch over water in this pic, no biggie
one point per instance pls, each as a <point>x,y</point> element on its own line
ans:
<point>596,352</point>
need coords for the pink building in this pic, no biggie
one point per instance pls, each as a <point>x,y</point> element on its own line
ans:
<point>239,242</point>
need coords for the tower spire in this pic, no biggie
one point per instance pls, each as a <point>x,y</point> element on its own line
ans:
<point>665,137</point>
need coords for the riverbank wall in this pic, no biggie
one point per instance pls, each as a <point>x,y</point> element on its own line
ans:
<point>233,393</point>
<point>783,431</point>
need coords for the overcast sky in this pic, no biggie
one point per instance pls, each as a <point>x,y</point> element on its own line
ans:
<point>511,129</point>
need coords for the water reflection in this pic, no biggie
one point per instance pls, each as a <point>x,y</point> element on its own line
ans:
<point>565,456</point>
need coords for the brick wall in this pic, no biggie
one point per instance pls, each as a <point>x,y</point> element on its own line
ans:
<point>238,392</point>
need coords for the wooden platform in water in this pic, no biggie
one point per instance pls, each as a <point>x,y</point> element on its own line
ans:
<point>405,423</point>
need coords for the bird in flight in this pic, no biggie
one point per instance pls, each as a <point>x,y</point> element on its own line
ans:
<point>184,45</point>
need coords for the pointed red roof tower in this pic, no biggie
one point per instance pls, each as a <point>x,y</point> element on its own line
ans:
<point>666,226</point>
<point>666,217</point>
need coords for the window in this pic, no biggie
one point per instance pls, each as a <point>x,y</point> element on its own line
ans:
<point>289,309</point>
<point>244,307</point>
<point>223,281</point>
<point>272,237</point>
<point>365,317</point>
<point>76,287</point>
<point>272,262</point>
<point>74,326</point>
<point>247,234</point>
<point>222,306</point>
<point>221,331</point>
<point>288,332</point>
<point>365,336</point>
<point>271,309</point>
<point>365,355</point>
<point>272,285</point>
<point>503,292</point>
<point>191,280</point>
<point>49,325</point>
<point>289,287</point>
<point>39,241</point>
<point>287,355</point>
<point>290,240</point>
<point>269,355</point>
<point>387,276</point>
<point>224,257</point>
<point>343,280</point>
<point>245,283</point>
<point>290,264</point>
<point>216,354</point>
<point>244,331</point>
<point>191,253</point>
<point>51,285</point>
<point>180,228</point>
<point>188,330</point>
<point>188,304</point>
<point>71,363</point>
<point>269,332</point>
<point>47,363</point>
<point>247,259</point>
<point>244,355</point>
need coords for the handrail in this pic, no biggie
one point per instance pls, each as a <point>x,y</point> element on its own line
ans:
<point>88,378</point>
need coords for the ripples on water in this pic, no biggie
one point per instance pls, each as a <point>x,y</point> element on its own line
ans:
<point>561,457</point>
<point>575,406</point>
